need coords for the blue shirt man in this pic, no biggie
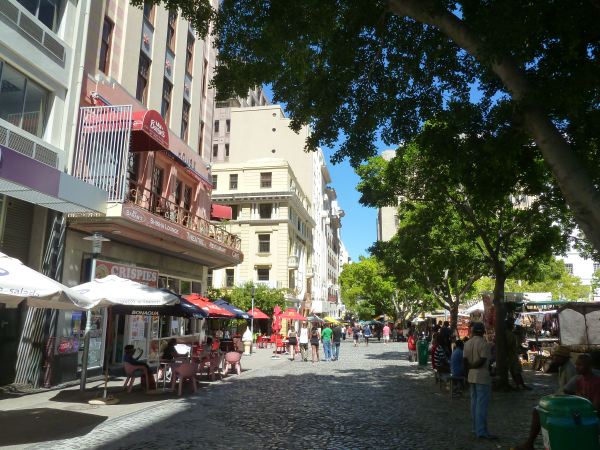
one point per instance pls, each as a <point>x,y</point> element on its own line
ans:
<point>456,360</point>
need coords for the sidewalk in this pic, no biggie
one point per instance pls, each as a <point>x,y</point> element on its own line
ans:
<point>65,413</point>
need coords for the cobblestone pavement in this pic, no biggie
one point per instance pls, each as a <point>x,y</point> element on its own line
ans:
<point>371,398</point>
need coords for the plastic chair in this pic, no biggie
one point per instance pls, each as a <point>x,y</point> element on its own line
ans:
<point>279,345</point>
<point>272,340</point>
<point>232,359</point>
<point>182,372</point>
<point>212,365</point>
<point>130,371</point>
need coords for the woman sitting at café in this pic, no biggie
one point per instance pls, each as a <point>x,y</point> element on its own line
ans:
<point>169,353</point>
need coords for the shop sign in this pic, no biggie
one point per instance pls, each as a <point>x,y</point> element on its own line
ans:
<point>144,313</point>
<point>138,274</point>
<point>138,215</point>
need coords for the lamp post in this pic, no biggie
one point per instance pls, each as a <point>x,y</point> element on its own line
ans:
<point>252,320</point>
<point>97,240</point>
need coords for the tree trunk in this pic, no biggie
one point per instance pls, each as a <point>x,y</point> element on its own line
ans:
<point>454,315</point>
<point>572,177</point>
<point>500,330</point>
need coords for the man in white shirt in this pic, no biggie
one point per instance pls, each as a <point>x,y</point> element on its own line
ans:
<point>476,357</point>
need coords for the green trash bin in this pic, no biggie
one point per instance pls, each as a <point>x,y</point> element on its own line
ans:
<point>568,422</point>
<point>422,351</point>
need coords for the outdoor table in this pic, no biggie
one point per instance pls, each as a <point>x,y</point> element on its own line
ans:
<point>164,364</point>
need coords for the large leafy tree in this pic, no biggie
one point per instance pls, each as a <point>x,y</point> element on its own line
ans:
<point>432,248</point>
<point>265,298</point>
<point>502,196</point>
<point>384,67</point>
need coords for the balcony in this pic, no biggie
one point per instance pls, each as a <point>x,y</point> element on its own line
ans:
<point>292,262</point>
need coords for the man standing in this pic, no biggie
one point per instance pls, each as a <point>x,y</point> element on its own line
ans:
<point>386,333</point>
<point>326,339</point>
<point>446,334</point>
<point>337,340</point>
<point>476,359</point>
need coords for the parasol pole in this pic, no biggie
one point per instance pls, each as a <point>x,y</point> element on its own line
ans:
<point>252,320</point>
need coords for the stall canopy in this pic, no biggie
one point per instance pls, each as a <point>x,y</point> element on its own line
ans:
<point>330,319</point>
<point>114,290</point>
<point>239,314</point>
<point>474,308</point>
<point>291,314</point>
<point>213,311</point>
<point>579,324</point>
<point>257,314</point>
<point>20,283</point>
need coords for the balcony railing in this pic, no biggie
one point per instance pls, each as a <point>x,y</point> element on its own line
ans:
<point>163,207</point>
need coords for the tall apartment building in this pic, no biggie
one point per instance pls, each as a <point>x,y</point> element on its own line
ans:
<point>260,139</point>
<point>40,79</point>
<point>387,217</point>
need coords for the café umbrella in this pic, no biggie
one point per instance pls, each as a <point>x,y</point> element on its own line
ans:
<point>292,314</point>
<point>214,311</point>
<point>239,314</point>
<point>257,314</point>
<point>19,283</point>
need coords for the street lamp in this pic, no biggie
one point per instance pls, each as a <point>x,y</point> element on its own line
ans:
<point>97,240</point>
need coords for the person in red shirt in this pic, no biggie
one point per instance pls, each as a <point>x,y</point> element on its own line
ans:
<point>412,347</point>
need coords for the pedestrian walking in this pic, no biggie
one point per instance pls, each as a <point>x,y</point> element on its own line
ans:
<point>355,334</point>
<point>412,348</point>
<point>367,334</point>
<point>303,340</point>
<point>344,332</point>
<point>292,341</point>
<point>337,341</point>
<point>326,336</point>
<point>476,360</point>
<point>386,333</point>
<point>314,344</point>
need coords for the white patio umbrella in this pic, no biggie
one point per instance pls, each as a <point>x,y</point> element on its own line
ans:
<point>20,283</point>
<point>476,307</point>
<point>113,290</point>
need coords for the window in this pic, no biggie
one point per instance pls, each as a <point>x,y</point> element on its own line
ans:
<point>187,198</point>
<point>209,278</point>
<point>165,107</point>
<point>157,186</point>
<point>214,182</point>
<point>22,101</point>
<point>185,120</point>
<point>204,77</point>
<point>235,212</point>
<point>228,125</point>
<point>189,53</point>
<point>265,179</point>
<point>216,126</point>
<point>233,181</point>
<point>229,278</point>
<point>292,279</point>
<point>265,210</point>
<point>45,10</point>
<point>177,191</point>
<point>201,138</point>
<point>262,274</point>
<point>105,44</point>
<point>215,150</point>
<point>149,12</point>
<point>227,150</point>
<point>171,27</point>
<point>264,243</point>
<point>569,268</point>
<point>141,92</point>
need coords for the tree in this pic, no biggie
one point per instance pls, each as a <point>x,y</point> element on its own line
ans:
<point>502,196</point>
<point>265,298</point>
<point>432,249</point>
<point>382,68</point>
<point>369,290</point>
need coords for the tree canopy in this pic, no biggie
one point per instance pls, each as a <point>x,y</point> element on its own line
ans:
<point>265,298</point>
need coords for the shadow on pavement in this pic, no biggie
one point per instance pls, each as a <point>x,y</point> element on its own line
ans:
<point>26,426</point>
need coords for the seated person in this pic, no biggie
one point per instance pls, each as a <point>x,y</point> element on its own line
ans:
<point>129,358</point>
<point>587,385</point>
<point>170,352</point>
<point>207,349</point>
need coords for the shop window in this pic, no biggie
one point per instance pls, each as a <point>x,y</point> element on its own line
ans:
<point>214,182</point>
<point>233,181</point>
<point>201,138</point>
<point>265,210</point>
<point>262,274</point>
<point>165,107</point>
<point>228,125</point>
<point>216,126</point>
<point>196,287</point>
<point>265,179</point>
<point>22,101</point>
<point>569,268</point>
<point>185,120</point>
<point>141,92</point>
<point>264,243</point>
<point>189,54</point>
<point>229,278</point>
<point>209,278</point>
<point>105,45</point>
<point>171,29</point>
<point>187,198</point>
<point>46,11</point>
<point>226,150</point>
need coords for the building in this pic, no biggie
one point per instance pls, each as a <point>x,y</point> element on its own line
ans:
<point>40,58</point>
<point>145,120</point>
<point>387,216</point>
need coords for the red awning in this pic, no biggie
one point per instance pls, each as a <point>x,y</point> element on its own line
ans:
<point>149,132</point>
<point>292,314</point>
<point>220,212</point>
<point>208,306</point>
<point>257,314</point>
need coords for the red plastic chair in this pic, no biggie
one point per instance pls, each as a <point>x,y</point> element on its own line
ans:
<point>279,345</point>
<point>272,340</point>
<point>182,372</point>
<point>212,365</point>
<point>130,371</point>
